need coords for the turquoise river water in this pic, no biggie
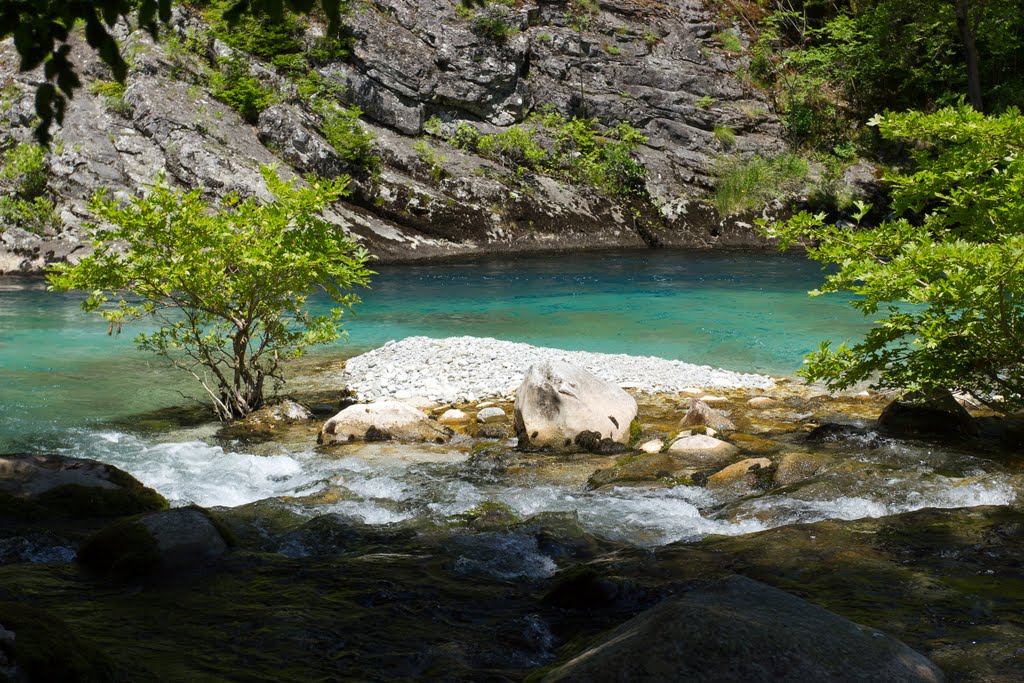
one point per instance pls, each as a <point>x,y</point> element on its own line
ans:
<point>743,311</point>
<point>66,387</point>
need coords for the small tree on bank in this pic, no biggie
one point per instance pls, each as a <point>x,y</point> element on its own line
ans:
<point>946,271</point>
<point>226,284</point>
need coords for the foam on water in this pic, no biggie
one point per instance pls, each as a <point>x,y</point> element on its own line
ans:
<point>196,472</point>
<point>380,487</point>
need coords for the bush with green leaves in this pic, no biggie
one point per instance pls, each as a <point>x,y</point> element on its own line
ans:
<point>944,275</point>
<point>24,170</point>
<point>38,216</point>
<point>573,149</point>
<point>749,184</point>
<point>236,87</point>
<point>354,144</point>
<point>226,284</point>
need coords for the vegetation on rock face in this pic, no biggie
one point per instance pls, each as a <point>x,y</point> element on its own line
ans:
<point>23,173</point>
<point>574,149</point>
<point>41,32</point>
<point>750,184</point>
<point>227,284</point>
<point>946,271</point>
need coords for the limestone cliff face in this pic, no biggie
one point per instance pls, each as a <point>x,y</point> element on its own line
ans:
<point>653,64</point>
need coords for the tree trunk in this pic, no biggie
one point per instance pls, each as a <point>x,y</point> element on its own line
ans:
<point>967,34</point>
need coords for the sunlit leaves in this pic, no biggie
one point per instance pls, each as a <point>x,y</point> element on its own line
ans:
<point>947,273</point>
<point>226,284</point>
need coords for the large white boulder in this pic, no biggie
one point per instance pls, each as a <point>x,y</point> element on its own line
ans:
<point>557,402</point>
<point>381,421</point>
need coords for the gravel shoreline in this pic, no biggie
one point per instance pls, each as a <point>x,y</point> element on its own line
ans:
<point>472,368</point>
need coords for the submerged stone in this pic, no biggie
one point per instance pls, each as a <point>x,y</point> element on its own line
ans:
<point>639,469</point>
<point>739,629</point>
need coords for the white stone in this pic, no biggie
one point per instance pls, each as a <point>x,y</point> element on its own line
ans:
<point>712,400</point>
<point>557,401</point>
<point>453,416</point>
<point>762,402</point>
<point>399,420</point>
<point>702,448</point>
<point>491,414</point>
<point>652,446</point>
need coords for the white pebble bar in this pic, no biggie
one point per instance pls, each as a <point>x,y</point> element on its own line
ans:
<point>471,368</point>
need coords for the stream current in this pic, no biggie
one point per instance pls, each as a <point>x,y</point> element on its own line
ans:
<point>66,387</point>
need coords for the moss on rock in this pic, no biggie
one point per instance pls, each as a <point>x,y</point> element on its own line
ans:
<point>124,549</point>
<point>76,500</point>
<point>45,649</point>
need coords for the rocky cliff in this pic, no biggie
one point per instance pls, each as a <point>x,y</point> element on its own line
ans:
<point>417,70</point>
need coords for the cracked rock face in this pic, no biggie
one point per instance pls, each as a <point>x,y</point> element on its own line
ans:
<point>651,64</point>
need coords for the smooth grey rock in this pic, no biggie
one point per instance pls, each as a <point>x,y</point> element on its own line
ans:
<point>381,421</point>
<point>490,414</point>
<point>918,414</point>
<point>702,448</point>
<point>700,414</point>
<point>184,537</point>
<point>557,402</point>
<point>741,630</point>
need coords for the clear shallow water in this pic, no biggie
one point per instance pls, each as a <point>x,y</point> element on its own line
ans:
<point>742,311</point>
<point>66,386</point>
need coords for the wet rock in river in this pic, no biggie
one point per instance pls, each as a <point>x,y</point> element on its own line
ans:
<point>490,414</point>
<point>701,414</point>
<point>750,473</point>
<point>453,416</point>
<point>652,446</point>
<point>934,414</point>
<point>742,630</point>
<point>382,421</point>
<point>639,469</point>
<point>795,467</point>
<point>831,432</point>
<point>182,539</point>
<point>755,444</point>
<point>557,402</point>
<point>703,449</point>
<point>37,484</point>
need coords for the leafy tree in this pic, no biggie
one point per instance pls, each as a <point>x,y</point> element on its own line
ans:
<point>226,284</point>
<point>946,272</point>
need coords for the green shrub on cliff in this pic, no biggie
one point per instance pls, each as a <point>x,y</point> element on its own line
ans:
<point>945,274</point>
<point>226,284</point>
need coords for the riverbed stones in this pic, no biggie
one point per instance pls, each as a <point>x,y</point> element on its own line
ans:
<point>738,629</point>
<point>748,473</point>
<point>919,414</point>
<point>762,402</point>
<point>701,414</point>
<point>453,416</point>
<point>382,421</point>
<point>701,448</point>
<point>563,407</point>
<point>748,443</point>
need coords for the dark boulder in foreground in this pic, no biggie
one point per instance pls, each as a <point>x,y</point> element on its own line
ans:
<point>739,629</point>
<point>933,414</point>
<point>34,485</point>
<point>172,541</point>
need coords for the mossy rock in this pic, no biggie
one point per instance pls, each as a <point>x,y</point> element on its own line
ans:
<point>643,468</point>
<point>38,486</point>
<point>45,649</point>
<point>754,444</point>
<point>178,540</point>
<point>75,500</point>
